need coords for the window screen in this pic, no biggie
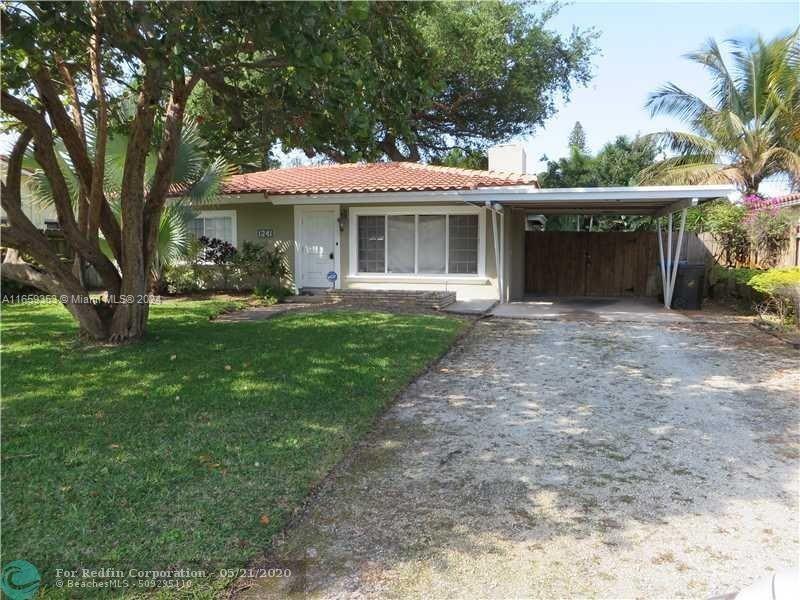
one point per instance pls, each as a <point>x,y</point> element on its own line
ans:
<point>371,244</point>
<point>212,227</point>
<point>432,243</point>
<point>463,244</point>
<point>400,243</point>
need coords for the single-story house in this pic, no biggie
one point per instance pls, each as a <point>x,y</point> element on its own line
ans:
<point>407,226</point>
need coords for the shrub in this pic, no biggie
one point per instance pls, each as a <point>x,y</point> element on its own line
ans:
<point>725,221</point>
<point>216,251</point>
<point>217,265</point>
<point>769,230</point>
<point>782,288</point>
<point>185,279</point>
<point>734,274</point>
<point>270,295</point>
<point>773,280</point>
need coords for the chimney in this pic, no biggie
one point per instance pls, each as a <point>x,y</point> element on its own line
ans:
<point>507,157</point>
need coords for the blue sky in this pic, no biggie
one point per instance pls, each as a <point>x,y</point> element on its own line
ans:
<point>642,44</point>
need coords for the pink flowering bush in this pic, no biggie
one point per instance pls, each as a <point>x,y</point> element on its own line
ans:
<point>768,228</point>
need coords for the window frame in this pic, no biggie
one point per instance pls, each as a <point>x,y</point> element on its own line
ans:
<point>210,214</point>
<point>416,211</point>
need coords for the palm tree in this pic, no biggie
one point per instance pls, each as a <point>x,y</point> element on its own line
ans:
<point>750,131</point>
<point>198,179</point>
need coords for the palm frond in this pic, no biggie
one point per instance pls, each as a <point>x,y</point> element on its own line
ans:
<point>684,143</point>
<point>173,235</point>
<point>39,186</point>
<point>191,158</point>
<point>723,89</point>
<point>676,102</point>
<point>783,160</point>
<point>207,187</point>
<point>686,170</point>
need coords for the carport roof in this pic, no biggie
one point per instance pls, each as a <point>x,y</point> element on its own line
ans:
<point>640,200</point>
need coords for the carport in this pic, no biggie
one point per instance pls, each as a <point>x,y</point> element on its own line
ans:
<point>581,263</point>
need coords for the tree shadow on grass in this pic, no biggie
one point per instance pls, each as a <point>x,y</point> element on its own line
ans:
<point>172,451</point>
<point>563,459</point>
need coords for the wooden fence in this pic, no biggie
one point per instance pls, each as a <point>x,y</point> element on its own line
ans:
<point>704,248</point>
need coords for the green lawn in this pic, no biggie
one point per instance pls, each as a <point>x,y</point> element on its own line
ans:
<point>176,451</point>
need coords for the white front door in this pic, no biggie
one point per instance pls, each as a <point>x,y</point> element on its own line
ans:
<point>318,245</point>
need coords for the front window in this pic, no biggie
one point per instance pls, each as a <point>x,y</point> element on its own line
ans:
<point>371,244</point>
<point>421,244</point>
<point>214,224</point>
<point>463,244</point>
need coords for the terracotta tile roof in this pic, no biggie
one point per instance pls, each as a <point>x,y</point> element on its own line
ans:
<point>777,202</point>
<point>373,177</point>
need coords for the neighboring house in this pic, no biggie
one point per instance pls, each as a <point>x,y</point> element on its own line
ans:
<point>778,202</point>
<point>42,216</point>
<point>409,226</point>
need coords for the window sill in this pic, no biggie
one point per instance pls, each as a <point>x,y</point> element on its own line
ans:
<point>401,278</point>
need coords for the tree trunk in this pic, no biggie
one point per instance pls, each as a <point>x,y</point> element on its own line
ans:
<point>129,322</point>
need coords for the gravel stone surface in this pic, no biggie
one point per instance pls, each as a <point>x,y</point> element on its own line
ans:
<point>566,459</point>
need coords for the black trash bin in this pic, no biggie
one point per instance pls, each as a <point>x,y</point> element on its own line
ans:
<point>688,292</point>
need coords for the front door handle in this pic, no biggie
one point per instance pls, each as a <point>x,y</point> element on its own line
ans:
<point>330,255</point>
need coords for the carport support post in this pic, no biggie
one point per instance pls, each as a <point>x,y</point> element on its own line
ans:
<point>669,267</point>
<point>498,262</point>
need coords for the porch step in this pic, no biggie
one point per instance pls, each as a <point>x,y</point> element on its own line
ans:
<point>434,300</point>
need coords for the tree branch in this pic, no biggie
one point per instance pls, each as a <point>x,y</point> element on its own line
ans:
<point>12,192</point>
<point>167,154</point>
<point>66,128</point>
<point>96,197</point>
<point>44,153</point>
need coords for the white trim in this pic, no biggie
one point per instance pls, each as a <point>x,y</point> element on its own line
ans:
<point>621,194</point>
<point>210,214</point>
<point>519,193</point>
<point>352,220</point>
<point>299,211</point>
<point>411,278</point>
<point>417,210</point>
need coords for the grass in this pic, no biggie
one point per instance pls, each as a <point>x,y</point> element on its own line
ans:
<point>194,447</point>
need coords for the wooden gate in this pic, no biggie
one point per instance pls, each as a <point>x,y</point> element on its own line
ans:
<point>573,263</point>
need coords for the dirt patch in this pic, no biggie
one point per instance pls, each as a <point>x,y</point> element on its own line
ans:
<point>554,459</point>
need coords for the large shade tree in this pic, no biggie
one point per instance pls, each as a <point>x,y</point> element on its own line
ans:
<point>457,75</point>
<point>66,64</point>
<point>749,131</point>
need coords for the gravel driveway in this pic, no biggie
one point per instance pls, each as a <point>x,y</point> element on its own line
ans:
<point>562,459</point>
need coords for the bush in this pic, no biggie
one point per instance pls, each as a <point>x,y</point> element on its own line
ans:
<point>725,221</point>
<point>214,265</point>
<point>774,280</point>
<point>769,231</point>
<point>260,265</point>
<point>270,295</point>
<point>735,274</point>
<point>216,251</point>
<point>782,288</point>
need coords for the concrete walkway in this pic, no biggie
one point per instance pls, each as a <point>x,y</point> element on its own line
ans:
<point>558,459</point>
<point>645,310</point>
<point>471,307</point>
<point>259,313</point>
